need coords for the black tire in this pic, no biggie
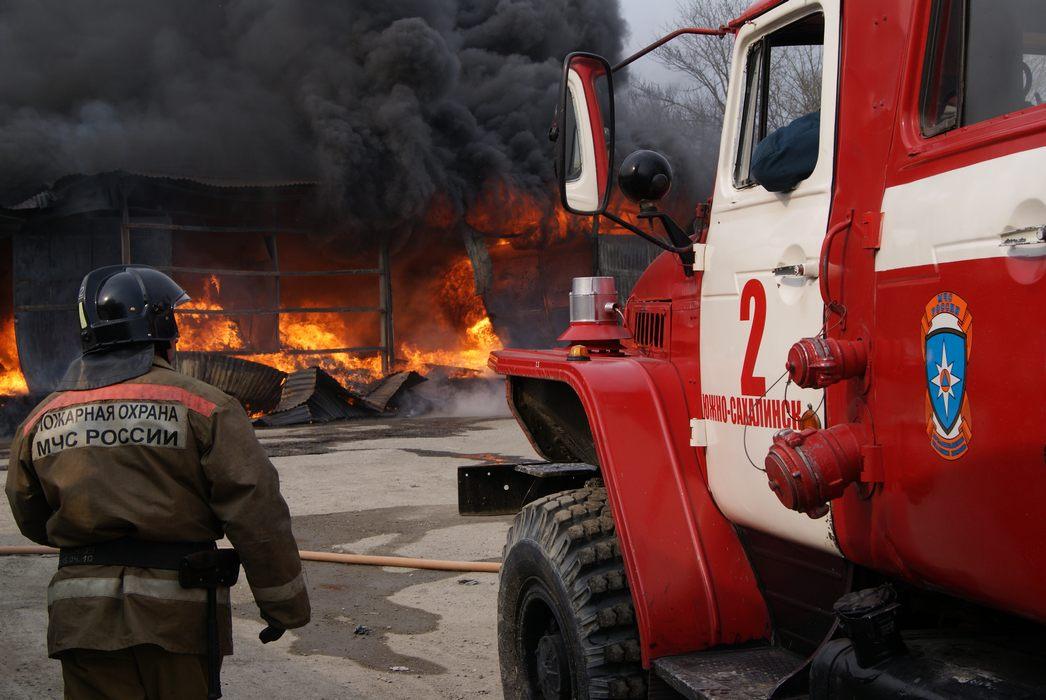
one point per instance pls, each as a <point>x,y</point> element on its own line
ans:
<point>566,624</point>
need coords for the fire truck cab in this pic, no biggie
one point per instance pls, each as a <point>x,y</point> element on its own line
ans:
<point>801,471</point>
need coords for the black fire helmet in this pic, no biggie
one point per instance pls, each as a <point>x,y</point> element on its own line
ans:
<point>125,304</point>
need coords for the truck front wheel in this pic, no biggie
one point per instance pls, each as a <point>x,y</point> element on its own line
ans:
<point>566,625</point>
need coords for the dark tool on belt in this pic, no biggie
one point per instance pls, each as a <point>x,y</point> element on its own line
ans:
<point>211,570</point>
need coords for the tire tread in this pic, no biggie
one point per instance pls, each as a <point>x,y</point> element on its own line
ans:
<point>576,530</point>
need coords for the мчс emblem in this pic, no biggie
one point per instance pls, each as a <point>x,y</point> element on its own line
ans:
<point>947,336</point>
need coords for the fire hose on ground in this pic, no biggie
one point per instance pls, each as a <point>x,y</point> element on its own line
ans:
<point>478,567</point>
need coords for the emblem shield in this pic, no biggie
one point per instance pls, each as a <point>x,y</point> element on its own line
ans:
<point>946,375</point>
<point>947,332</point>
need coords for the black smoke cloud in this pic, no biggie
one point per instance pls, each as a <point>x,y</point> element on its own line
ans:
<point>386,102</point>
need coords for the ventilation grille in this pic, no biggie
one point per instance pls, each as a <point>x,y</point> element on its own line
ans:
<point>649,330</point>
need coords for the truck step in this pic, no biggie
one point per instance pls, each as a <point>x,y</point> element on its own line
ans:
<point>728,674</point>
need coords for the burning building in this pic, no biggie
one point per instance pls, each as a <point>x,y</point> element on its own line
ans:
<point>279,284</point>
<point>361,187</point>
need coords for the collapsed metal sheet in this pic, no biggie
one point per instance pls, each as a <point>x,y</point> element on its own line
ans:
<point>253,384</point>
<point>313,396</point>
<point>387,392</point>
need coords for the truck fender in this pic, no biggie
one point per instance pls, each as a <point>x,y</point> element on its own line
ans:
<point>691,583</point>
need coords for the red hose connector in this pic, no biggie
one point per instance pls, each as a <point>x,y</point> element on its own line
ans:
<point>814,363</point>
<point>810,468</point>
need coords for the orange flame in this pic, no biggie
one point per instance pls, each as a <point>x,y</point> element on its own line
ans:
<point>458,300</point>
<point>313,331</point>
<point>206,332</point>
<point>299,333</point>
<point>12,382</point>
<point>346,367</point>
<point>530,219</point>
<point>480,341</point>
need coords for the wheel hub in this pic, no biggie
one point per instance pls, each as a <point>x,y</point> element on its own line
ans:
<point>552,667</point>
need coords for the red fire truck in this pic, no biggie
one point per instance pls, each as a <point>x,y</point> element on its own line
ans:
<point>809,453</point>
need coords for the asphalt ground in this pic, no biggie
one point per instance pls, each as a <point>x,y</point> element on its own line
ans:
<point>368,487</point>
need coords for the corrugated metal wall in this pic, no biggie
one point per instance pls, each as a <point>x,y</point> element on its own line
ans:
<point>50,258</point>
<point>624,258</point>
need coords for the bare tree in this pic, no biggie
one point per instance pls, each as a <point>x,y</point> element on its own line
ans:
<point>1036,80</point>
<point>704,62</point>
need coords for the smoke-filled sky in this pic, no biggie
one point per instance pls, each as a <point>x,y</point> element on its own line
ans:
<point>385,101</point>
<point>647,21</point>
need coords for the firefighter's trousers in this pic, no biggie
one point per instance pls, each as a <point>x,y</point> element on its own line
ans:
<point>144,672</point>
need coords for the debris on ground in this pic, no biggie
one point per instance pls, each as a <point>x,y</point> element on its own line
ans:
<point>399,669</point>
<point>468,582</point>
<point>253,384</point>
<point>361,630</point>
<point>313,396</point>
<point>387,392</point>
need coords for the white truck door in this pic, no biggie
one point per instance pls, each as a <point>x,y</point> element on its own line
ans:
<point>759,293</point>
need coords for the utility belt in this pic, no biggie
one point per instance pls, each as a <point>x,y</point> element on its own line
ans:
<point>132,552</point>
<point>199,565</point>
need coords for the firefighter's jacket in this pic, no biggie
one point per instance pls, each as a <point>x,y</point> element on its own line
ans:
<point>161,457</point>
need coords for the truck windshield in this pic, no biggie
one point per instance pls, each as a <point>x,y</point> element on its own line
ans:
<point>984,59</point>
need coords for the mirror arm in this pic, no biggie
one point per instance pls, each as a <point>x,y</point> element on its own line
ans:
<point>647,237</point>
<point>685,252</point>
<point>677,235</point>
<point>703,31</point>
<point>675,232</point>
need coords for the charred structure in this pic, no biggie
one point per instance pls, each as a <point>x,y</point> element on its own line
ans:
<point>360,187</point>
<point>278,285</point>
<point>271,281</point>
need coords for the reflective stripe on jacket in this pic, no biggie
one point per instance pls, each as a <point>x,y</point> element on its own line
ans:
<point>162,457</point>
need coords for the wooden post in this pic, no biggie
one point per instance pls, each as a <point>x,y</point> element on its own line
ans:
<point>388,336</point>
<point>274,253</point>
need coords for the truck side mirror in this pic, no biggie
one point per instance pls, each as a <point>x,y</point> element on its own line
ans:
<point>584,133</point>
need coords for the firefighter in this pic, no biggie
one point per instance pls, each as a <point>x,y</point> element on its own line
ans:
<point>128,468</point>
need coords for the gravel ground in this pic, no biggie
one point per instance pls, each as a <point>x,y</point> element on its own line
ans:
<point>370,487</point>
